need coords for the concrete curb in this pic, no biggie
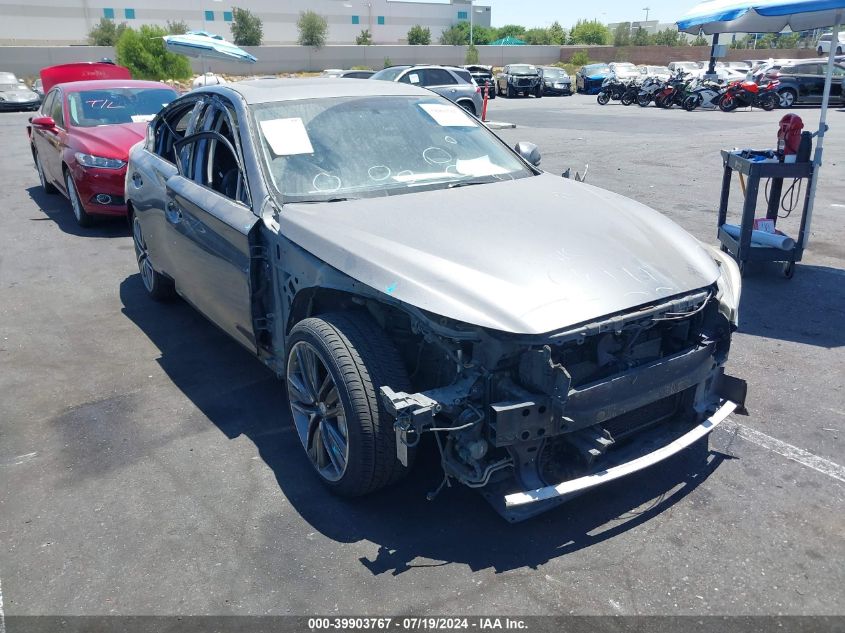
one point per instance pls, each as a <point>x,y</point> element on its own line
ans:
<point>499,125</point>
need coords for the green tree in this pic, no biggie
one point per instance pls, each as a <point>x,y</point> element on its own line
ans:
<point>472,55</point>
<point>579,58</point>
<point>740,42</point>
<point>143,53</point>
<point>419,35</point>
<point>788,40</point>
<point>622,34</point>
<point>700,41</point>
<point>247,29</point>
<point>641,37</point>
<point>455,36</point>
<point>313,29</point>
<point>387,63</point>
<point>482,35</point>
<point>668,37</point>
<point>177,27</point>
<point>537,36</point>
<point>105,33</point>
<point>510,30</point>
<point>589,32</point>
<point>365,39</point>
<point>556,33</point>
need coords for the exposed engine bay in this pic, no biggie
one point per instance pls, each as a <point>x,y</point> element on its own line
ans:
<point>515,413</point>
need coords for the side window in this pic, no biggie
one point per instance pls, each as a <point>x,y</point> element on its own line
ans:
<point>437,77</point>
<point>215,165</point>
<point>464,75</point>
<point>56,110</point>
<point>48,103</point>
<point>170,128</point>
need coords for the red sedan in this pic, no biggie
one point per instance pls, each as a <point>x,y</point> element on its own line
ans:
<point>81,137</point>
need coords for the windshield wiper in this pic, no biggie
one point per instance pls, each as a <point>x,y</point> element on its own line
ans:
<point>321,201</point>
<point>469,183</point>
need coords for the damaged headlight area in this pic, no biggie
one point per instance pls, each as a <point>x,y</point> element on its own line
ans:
<point>520,415</point>
<point>729,284</point>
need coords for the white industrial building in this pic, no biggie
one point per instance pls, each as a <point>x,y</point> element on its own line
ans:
<point>43,22</point>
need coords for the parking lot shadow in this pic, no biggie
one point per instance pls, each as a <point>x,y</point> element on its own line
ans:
<point>241,397</point>
<point>57,208</point>
<point>809,308</point>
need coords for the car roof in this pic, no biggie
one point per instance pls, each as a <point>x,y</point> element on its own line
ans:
<point>269,90</point>
<point>106,84</point>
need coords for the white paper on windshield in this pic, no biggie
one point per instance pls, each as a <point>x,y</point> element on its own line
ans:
<point>414,77</point>
<point>447,115</point>
<point>479,167</point>
<point>287,137</point>
<point>142,118</point>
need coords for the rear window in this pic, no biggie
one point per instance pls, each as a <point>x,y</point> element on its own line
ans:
<point>463,75</point>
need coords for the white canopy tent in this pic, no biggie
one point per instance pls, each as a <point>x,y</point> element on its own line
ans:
<point>773,16</point>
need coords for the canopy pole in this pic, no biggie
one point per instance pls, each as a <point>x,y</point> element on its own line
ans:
<point>817,156</point>
<point>711,70</point>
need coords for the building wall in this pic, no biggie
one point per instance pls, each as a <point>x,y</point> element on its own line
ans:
<point>662,55</point>
<point>27,61</point>
<point>43,22</point>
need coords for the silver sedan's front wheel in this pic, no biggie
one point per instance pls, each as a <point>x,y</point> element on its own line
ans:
<point>336,365</point>
<point>318,414</point>
<point>157,285</point>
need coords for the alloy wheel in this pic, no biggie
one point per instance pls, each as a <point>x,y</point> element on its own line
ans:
<point>318,413</point>
<point>145,266</point>
<point>40,171</point>
<point>75,204</point>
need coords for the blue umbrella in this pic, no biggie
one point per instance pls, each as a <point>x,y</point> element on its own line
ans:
<point>207,46</point>
<point>772,16</point>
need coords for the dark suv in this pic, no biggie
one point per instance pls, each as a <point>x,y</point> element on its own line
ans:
<point>802,82</point>
<point>483,76</point>
<point>517,79</point>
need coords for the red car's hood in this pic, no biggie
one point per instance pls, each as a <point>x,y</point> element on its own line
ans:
<point>109,141</point>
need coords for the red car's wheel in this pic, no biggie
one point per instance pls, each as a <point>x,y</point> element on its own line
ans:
<point>79,212</point>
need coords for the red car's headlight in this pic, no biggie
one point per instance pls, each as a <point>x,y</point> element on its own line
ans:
<point>89,160</point>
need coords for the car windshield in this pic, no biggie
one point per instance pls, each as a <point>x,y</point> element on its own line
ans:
<point>596,69</point>
<point>523,69</point>
<point>390,74</point>
<point>553,73</point>
<point>340,148</point>
<point>625,67</point>
<point>90,108</point>
<point>15,86</point>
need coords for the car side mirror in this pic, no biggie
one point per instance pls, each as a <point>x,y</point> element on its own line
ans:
<point>529,151</point>
<point>43,122</point>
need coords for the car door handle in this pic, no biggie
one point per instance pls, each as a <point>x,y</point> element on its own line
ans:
<point>174,213</point>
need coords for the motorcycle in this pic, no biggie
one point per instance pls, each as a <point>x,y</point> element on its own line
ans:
<point>673,92</point>
<point>630,94</point>
<point>747,93</point>
<point>648,90</point>
<point>704,94</point>
<point>611,88</point>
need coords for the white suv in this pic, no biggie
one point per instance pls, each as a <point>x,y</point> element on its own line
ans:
<point>823,45</point>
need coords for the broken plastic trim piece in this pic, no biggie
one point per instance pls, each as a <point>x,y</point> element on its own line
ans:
<point>589,481</point>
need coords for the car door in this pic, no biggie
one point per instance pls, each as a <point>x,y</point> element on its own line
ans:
<point>149,171</point>
<point>50,143</point>
<point>210,222</point>
<point>39,136</point>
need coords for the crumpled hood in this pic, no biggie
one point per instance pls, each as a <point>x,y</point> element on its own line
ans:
<point>109,141</point>
<point>527,256</point>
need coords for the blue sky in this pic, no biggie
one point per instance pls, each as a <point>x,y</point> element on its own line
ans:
<point>543,12</point>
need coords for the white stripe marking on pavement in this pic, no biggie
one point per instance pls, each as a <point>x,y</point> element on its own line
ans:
<point>805,458</point>
<point>2,615</point>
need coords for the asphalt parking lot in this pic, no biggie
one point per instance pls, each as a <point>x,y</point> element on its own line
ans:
<point>148,465</point>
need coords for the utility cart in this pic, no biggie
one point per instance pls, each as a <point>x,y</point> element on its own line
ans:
<point>741,248</point>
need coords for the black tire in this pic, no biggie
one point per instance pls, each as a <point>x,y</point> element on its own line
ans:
<point>360,359</point>
<point>819,51</point>
<point>769,101</point>
<point>83,219</point>
<point>602,98</point>
<point>468,106</point>
<point>158,287</point>
<point>643,100</point>
<point>838,50</point>
<point>538,93</point>
<point>692,102</point>
<point>42,177</point>
<point>728,104</point>
<point>788,97</point>
<point>511,93</point>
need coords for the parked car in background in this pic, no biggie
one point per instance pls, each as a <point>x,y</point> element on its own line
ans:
<point>589,78</point>
<point>823,45</point>
<point>38,87</point>
<point>519,79</point>
<point>81,138</point>
<point>802,82</point>
<point>556,81</point>
<point>624,71</point>
<point>687,67</point>
<point>453,83</point>
<point>16,95</point>
<point>483,77</point>
<point>341,243</point>
<point>336,73</point>
<point>208,79</point>
<point>661,72</point>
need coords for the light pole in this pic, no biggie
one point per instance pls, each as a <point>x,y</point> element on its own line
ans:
<point>646,9</point>
<point>471,10</point>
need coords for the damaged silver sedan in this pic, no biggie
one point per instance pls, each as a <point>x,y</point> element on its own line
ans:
<point>550,339</point>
